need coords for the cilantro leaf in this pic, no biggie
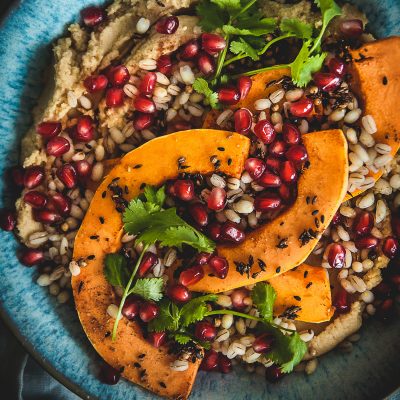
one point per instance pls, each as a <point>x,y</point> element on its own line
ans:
<point>260,30</point>
<point>201,86</point>
<point>167,318</point>
<point>296,27</point>
<point>116,270</point>
<point>242,47</point>
<point>195,310</point>
<point>211,16</point>
<point>181,338</point>
<point>148,288</point>
<point>231,6</point>
<point>264,295</point>
<point>155,196</point>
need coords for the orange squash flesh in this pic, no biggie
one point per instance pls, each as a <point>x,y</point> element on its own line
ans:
<point>327,179</point>
<point>93,294</point>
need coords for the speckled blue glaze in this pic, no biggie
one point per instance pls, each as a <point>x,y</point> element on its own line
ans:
<point>52,333</point>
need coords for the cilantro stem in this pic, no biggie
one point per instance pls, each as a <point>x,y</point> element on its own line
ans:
<point>257,71</point>
<point>273,41</point>
<point>126,292</point>
<point>244,9</point>
<point>221,58</point>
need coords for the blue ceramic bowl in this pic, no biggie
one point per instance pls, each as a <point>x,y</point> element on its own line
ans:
<point>52,333</point>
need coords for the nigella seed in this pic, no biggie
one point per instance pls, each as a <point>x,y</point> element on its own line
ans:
<point>385,80</point>
<point>141,356</point>
<point>91,257</point>
<point>278,270</point>
<point>101,219</point>
<point>322,218</point>
<point>255,274</point>
<point>104,194</point>
<point>316,222</point>
<point>308,199</point>
<point>221,148</point>
<point>107,334</point>
<point>282,223</point>
<point>229,161</point>
<point>142,186</point>
<point>308,285</point>
<point>137,166</point>
<point>162,384</point>
<point>282,243</point>
<point>305,274</point>
<point>261,264</point>
<point>315,212</point>
<point>314,199</point>
<point>80,286</point>
<point>298,298</point>
<point>137,365</point>
<point>94,237</point>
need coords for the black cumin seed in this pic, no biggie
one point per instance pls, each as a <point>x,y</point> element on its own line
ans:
<point>314,199</point>
<point>308,285</point>
<point>141,356</point>
<point>143,373</point>
<point>282,243</point>
<point>101,219</point>
<point>162,384</point>
<point>298,298</point>
<point>322,218</point>
<point>137,166</point>
<point>316,222</point>
<point>229,161</point>
<point>305,274</point>
<point>107,334</point>
<point>261,264</point>
<point>308,199</point>
<point>91,257</point>
<point>278,270</point>
<point>104,194</point>
<point>307,164</point>
<point>282,223</point>
<point>94,237</point>
<point>315,212</point>
<point>142,185</point>
<point>80,287</point>
<point>137,365</point>
<point>126,189</point>
<point>89,146</point>
<point>221,148</point>
<point>255,274</point>
<point>385,80</point>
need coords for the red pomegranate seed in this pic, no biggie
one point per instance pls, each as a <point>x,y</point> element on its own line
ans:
<point>210,361</point>
<point>118,75</point>
<point>383,290</point>
<point>148,83</point>
<point>157,339</point>
<point>30,257</point>
<point>297,153</point>
<point>95,83</point>
<point>84,129</point>
<point>273,373</point>
<point>35,199</point>
<point>366,242</point>
<point>363,223</point>
<point>243,120</point>
<point>238,296</point>
<point>114,97</point>
<point>49,129</point>
<point>288,193</point>
<point>290,133</point>
<point>167,25</point>
<point>265,131</point>
<point>396,224</point>
<point>148,311</point>
<point>337,219</point>
<point>164,65</point>
<point>326,81</point>
<point>83,168</point>
<point>212,43</point>
<point>33,177</point>
<point>202,258</point>
<point>390,247</point>
<point>184,189</point>
<point>269,180</point>
<point>67,175</point>
<point>191,275</point>
<point>61,203</point>
<point>206,63</point>
<point>244,84</point>
<point>219,265</point>
<point>179,293</point>
<point>47,216</point>
<point>205,331</point>
<point>302,108</point>
<point>182,126</point>
<point>17,176</point>
<point>288,172</point>
<point>142,121</point>
<point>214,231</point>
<point>8,220</point>
<point>109,375</point>
<point>386,310</point>
<point>341,301</point>
<point>228,95</point>
<point>337,66</point>
<point>57,146</point>
<point>230,232</point>
<point>149,261</point>
<point>92,16</point>
<point>263,343</point>
<point>273,164</point>
<point>217,199</point>
<point>189,50</point>
<point>255,167</point>
<point>145,105</point>
<point>351,27</point>
<point>267,202</point>
<point>224,364</point>
<point>336,255</point>
<point>199,213</point>
<point>130,309</point>
<point>277,148</point>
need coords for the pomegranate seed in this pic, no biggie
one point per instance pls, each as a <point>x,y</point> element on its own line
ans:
<point>148,83</point>
<point>199,213</point>
<point>148,311</point>
<point>118,75</point>
<point>167,25</point>
<point>30,257</point>
<point>255,167</point>
<point>265,131</point>
<point>363,223</point>
<point>33,177</point>
<point>182,126</point>
<point>95,83</point>
<point>326,81</point>
<point>57,146</point>
<point>17,176</point>
<point>8,220</point>
<point>164,65</point>
<point>202,258</point>
<point>179,293</point>
<point>130,309</point>
<point>205,331</point>
<point>83,168</point>
<point>144,105</point>
<point>228,95</point>
<point>268,179</point>
<point>244,84</point>
<point>238,296</point>
<point>302,108</point>
<point>351,27</point>
<point>395,279</point>
<point>337,66</point>
<point>291,134</point>
<point>230,232</point>
<point>35,199</point>
<point>288,172</point>
<point>92,16</point>
<point>149,261</point>
<point>61,203</point>
<point>273,164</point>
<point>191,275</point>
<point>49,129</point>
<point>142,121</point>
<point>336,255</point>
<point>383,290</point>
<point>297,153</point>
<point>184,189</point>
<point>263,343</point>
<point>288,193</point>
<point>157,339</point>
<point>337,219</point>
<point>219,266</point>
<point>206,63</point>
<point>84,129</point>
<point>278,148</point>
<point>210,361</point>
<point>189,50</point>
<point>224,364</point>
<point>47,216</point>
<point>214,231</point>
<point>396,225</point>
<point>390,247</point>
<point>212,43</point>
<point>243,120</point>
<point>366,242</point>
<point>109,375</point>
<point>386,310</point>
<point>114,97</point>
<point>341,301</point>
<point>273,373</point>
<point>217,199</point>
<point>67,175</point>
<point>267,202</point>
